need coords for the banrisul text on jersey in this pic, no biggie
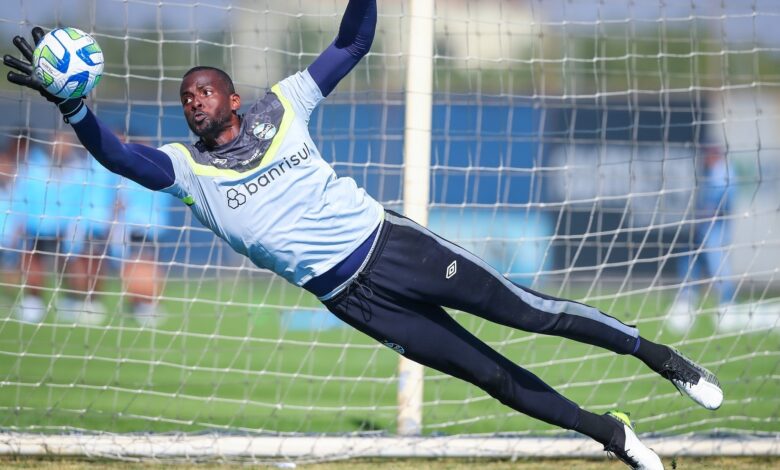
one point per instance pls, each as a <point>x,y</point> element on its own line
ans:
<point>270,175</point>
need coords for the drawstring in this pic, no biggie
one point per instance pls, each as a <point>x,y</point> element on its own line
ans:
<point>363,282</point>
<point>363,279</point>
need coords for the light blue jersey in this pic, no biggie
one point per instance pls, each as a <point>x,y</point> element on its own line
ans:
<point>73,202</point>
<point>98,207</point>
<point>270,194</point>
<point>143,211</point>
<point>50,197</point>
<point>716,189</point>
<point>8,220</point>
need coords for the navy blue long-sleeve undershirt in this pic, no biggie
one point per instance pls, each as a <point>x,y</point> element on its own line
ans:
<point>356,34</point>
<point>146,166</point>
<point>152,168</point>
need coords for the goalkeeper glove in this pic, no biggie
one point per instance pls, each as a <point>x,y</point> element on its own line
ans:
<point>68,107</point>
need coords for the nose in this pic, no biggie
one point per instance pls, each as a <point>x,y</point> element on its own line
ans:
<point>195,104</point>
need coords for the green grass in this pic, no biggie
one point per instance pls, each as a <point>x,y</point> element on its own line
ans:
<point>223,360</point>
<point>686,463</point>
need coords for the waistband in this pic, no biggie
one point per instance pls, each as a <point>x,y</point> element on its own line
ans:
<point>347,268</point>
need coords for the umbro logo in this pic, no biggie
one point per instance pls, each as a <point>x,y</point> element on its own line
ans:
<point>394,346</point>
<point>452,269</point>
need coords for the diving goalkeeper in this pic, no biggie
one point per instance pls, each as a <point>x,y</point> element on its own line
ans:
<point>258,181</point>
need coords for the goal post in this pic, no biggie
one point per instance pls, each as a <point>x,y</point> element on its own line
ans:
<point>622,154</point>
<point>269,449</point>
<point>418,101</point>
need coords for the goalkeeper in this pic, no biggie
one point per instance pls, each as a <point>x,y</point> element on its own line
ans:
<point>258,181</point>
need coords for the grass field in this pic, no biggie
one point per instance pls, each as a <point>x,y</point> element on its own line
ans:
<point>715,463</point>
<point>227,358</point>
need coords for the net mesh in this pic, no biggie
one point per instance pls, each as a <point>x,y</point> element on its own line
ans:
<point>621,154</point>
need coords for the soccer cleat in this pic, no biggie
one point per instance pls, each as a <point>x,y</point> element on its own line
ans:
<point>147,314</point>
<point>31,309</point>
<point>79,311</point>
<point>94,313</point>
<point>733,318</point>
<point>629,449</point>
<point>680,317</point>
<point>693,380</point>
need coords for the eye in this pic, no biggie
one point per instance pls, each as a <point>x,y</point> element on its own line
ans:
<point>186,100</point>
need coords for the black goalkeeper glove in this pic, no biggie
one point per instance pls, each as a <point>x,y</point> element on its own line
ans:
<point>68,107</point>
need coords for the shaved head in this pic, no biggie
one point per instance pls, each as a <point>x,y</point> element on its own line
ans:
<point>223,76</point>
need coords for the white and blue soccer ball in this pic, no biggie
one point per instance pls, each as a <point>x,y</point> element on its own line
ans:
<point>68,62</point>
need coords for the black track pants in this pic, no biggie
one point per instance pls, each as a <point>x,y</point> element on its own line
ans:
<point>412,273</point>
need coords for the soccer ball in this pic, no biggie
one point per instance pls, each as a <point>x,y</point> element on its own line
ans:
<point>68,62</point>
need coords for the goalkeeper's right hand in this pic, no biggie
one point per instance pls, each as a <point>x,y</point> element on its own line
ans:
<point>68,107</point>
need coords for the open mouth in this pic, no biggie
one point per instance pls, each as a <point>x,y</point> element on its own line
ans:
<point>199,117</point>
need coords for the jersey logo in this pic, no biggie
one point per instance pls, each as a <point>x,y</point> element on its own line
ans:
<point>239,195</point>
<point>264,131</point>
<point>452,269</point>
<point>235,199</point>
<point>394,346</point>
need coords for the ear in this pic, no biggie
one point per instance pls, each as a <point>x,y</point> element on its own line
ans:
<point>235,102</point>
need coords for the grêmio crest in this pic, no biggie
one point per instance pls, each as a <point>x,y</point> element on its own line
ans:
<point>264,130</point>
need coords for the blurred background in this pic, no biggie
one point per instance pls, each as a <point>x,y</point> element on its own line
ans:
<point>624,153</point>
<point>527,94</point>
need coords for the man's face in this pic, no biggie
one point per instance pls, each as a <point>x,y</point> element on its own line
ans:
<point>208,104</point>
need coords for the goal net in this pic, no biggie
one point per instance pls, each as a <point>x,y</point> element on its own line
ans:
<point>622,154</point>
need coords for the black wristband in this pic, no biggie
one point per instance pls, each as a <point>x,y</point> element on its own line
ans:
<point>70,108</point>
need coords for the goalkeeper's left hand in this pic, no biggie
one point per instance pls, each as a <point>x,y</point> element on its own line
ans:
<point>68,107</point>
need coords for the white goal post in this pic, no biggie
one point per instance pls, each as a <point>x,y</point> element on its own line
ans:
<point>417,174</point>
<point>623,154</point>
<point>314,448</point>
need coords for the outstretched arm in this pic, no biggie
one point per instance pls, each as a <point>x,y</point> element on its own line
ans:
<point>356,34</point>
<point>144,165</point>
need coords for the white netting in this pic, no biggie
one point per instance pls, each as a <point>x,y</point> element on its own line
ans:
<point>591,150</point>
